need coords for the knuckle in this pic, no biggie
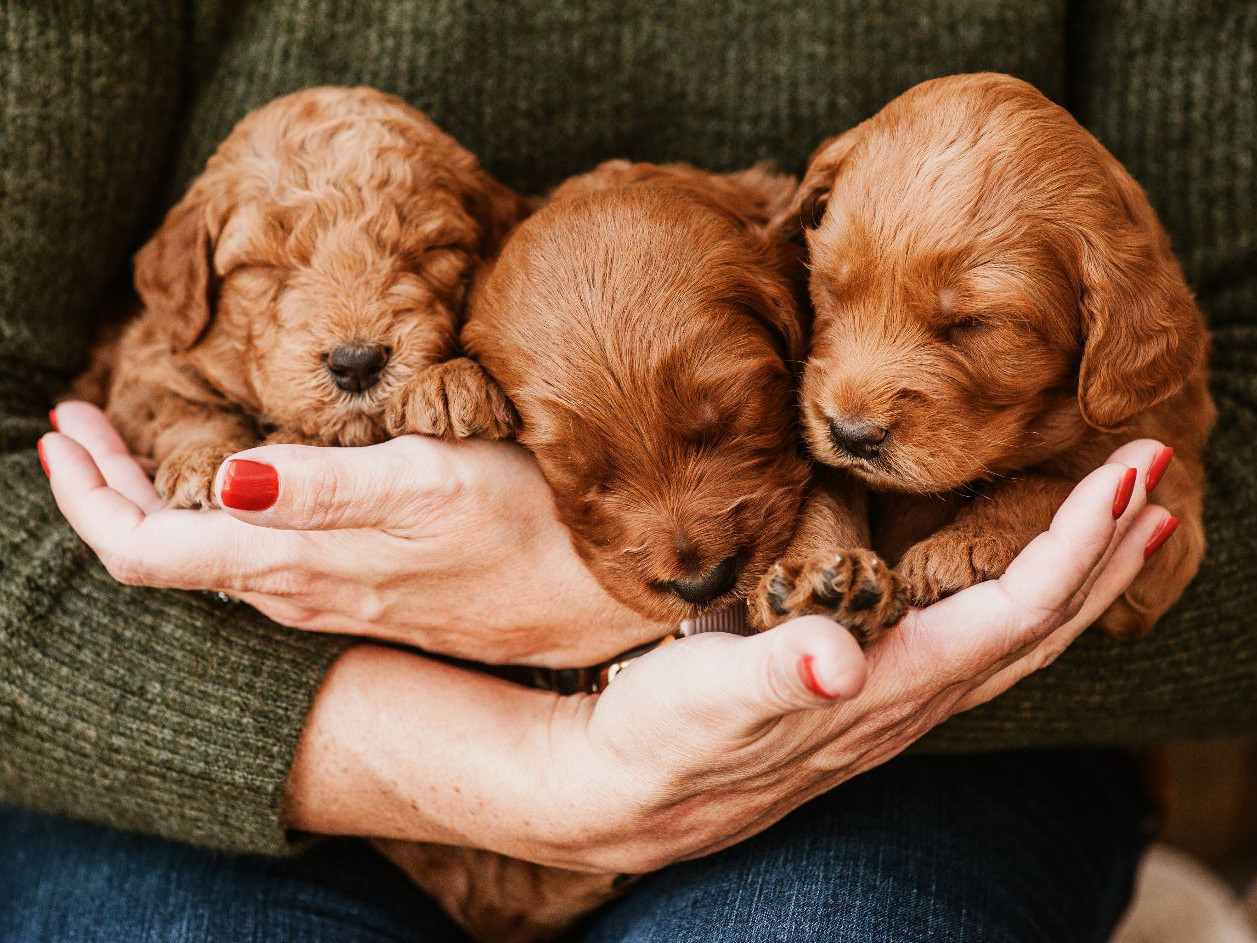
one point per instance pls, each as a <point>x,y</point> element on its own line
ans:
<point>287,584</point>
<point>124,569</point>
<point>318,497</point>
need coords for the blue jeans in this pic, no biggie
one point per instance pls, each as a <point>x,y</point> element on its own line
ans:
<point>1017,847</point>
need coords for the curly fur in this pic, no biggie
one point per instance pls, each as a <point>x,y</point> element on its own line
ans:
<point>329,217</point>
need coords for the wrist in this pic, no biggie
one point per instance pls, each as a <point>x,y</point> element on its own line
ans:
<point>399,746</point>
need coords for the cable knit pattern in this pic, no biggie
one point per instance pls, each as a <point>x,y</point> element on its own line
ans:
<point>172,714</point>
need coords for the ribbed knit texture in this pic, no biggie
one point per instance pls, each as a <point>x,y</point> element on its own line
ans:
<point>169,713</point>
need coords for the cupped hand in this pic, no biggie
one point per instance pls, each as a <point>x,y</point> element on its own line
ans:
<point>705,742</point>
<point>452,548</point>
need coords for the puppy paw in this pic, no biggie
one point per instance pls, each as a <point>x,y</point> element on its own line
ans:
<point>946,563</point>
<point>852,587</point>
<point>453,400</point>
<point>186,478</point>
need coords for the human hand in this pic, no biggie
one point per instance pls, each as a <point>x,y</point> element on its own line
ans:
<point>705,741</point>
<point>450,547</point>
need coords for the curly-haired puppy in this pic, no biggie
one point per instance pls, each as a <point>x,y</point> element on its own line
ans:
<point>307,279</point>
<point>997,308</point>
<point>644,326</point>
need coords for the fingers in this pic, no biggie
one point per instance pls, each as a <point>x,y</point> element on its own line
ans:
<point>973,636</point>
<point>99,514</point>
<point>179,549</point>
<point>1112,579</point>
<point>87,426</point>
<point>1046,576</point>
<point>803,664</point>
<point>298,487</point>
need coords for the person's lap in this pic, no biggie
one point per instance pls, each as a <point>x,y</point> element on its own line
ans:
<point>1010,847</point>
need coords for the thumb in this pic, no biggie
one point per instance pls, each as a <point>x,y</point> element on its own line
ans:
<point>302,487</point>
<point>803,664</point>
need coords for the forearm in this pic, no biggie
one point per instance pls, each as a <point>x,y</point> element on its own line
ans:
<point>401,746</point>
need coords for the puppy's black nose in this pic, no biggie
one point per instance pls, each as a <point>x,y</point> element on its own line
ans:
<point>356,368</point>
<point>707,586</point>
<point>861,439</point>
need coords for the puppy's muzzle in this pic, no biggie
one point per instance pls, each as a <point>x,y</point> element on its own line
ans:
<point>356,368</point>
<point>709,585</point>
<point>860,439</point>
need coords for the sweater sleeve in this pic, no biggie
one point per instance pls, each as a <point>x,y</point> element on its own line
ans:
<point>163,712</point>
<point>1170,86</point>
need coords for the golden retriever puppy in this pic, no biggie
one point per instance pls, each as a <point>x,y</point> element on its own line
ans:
<point>309,277</point>
<point>997,308</point>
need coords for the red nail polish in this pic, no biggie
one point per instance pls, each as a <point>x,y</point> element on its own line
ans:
<point>1161,536</point>
<point>1125,488</point>
<point>43,462</point>
<point>249,486</point>
<point>808,674</point>
<point>52,418</point>
<point>1158,467</point>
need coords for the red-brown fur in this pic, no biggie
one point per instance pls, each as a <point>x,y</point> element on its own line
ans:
<point>329,217</point>
<point>993,288</point>
<point>643,323</point>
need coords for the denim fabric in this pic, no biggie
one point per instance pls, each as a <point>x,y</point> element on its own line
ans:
<point>1005,847</point>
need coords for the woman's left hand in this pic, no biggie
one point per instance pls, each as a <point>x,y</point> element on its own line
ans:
<point>454,548</point>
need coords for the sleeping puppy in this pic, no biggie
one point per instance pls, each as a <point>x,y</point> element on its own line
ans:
<point>312,273</point>
<point>997,308</point>
<point>643,326</point>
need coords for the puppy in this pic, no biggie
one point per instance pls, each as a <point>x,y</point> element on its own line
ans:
<point>309,277</point>
<point>644,327</point>
<point>997,308</point>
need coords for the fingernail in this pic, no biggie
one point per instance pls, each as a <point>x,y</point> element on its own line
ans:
<point>43,461</point>
<point>52,418</point>
<point>1161,536</point>
<point>1125,488</point>
<point>808,673</point>
<point>249,486</point>
<point>1158,467</point>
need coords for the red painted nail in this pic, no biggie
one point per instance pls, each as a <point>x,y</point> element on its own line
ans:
<point>249,486</point>
<point>52,418</point>
<point>1125,488</point>
<point>1158,467</point>
<point>43,462</point>
<point>808,674</point>
<point>1161,536</point>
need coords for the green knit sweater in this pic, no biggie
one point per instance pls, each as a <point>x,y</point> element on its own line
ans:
<point>168,713</point>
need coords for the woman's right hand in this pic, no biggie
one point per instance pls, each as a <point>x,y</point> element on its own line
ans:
<point>708,740</point>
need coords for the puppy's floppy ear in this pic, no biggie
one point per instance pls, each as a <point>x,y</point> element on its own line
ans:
<point>498,209</point>
<point>1143,334</point>
<point>172,274</point>
<point>772,301</point>
<point>807,208</point>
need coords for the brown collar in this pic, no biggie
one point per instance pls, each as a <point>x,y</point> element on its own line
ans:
<point>592,680</point>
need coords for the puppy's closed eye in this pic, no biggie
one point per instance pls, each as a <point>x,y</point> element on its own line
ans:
<point>963,329</point>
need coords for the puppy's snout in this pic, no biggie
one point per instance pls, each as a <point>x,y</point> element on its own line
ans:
<point>710,584</point>
<point>356,367</point>
<point>855,437</point>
